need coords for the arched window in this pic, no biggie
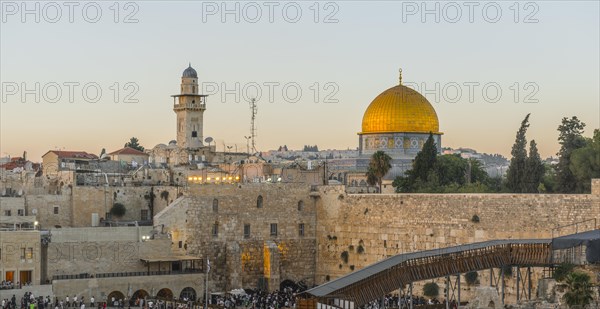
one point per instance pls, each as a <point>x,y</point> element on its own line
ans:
<point>300,205</point>
<point>259,202</point>
<point>215,205</point>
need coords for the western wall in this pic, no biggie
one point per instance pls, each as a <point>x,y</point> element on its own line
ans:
<point>372,227</point>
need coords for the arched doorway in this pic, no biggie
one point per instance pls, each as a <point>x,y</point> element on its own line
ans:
<point>288,284</point>
<point>188,293</point>
<point>114,296</point>
<point>165,294</point>
<point>139,294</point>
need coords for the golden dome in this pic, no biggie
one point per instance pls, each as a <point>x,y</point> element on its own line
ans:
<point>400,109</point>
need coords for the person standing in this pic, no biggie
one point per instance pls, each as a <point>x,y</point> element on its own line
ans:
<point>92,301</point>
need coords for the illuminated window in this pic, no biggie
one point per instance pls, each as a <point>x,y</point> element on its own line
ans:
<point>29,253</point>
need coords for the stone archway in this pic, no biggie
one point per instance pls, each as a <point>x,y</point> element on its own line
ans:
<point>165,294</point>
<point>116,295</point>
<point>139,294</point>
<point>188,293</point>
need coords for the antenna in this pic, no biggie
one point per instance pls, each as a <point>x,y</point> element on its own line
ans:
<point>253,110</point>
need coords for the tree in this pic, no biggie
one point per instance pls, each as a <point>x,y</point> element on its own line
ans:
<point>570,138</point>
<point>424,160</point>
<point>150,198</point>
<point>580,289</point>
<point>534,170</point>
<point>431,289</point>
<point>118,210</point>
<point>134,143</point>
<point>165,196</point>
<point>515,176</point>
<point>585,162</point>
<point>378,167</point>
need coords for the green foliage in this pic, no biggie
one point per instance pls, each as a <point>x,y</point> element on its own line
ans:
<point>475,219</point>
<point>515,176</point>
<point>431,289</point>
<point>118,210</point>
<point>134,143</point>
<point>585,162</point>
<point>580,289</point>
<point>450,174</point>
<point>165,196</point>
<point>360,249</point>
<point>471,277</point>
<point>562,270</point>
<point>378,167</point>
<point>150,198</point>
<point>345,257</point>
<point>570,138</point>
<point>424,161</point>
<point>534,170</point>
<point>507,270</point>
<point>309,148</point>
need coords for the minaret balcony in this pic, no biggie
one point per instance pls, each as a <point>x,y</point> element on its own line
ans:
<point>189,106</point>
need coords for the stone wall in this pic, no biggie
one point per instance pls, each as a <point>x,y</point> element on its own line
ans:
<point>388,224</point>
<point>50,209</point>
<point>210,220</point>
<point>74,251</point>
<point>12,205</point>
<point>104,288</point>
<point>20,254</point>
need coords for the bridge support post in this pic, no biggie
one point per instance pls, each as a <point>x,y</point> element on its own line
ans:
<point>529,284</point>
<point>502,278</point>
<point>518,282</point>
<point>458,285</point>
<point>410,300</point>
<point>447,292</point>
<point>491,277</point>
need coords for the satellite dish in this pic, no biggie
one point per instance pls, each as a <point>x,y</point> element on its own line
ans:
<point>34,211</point>
<point>208,139</point>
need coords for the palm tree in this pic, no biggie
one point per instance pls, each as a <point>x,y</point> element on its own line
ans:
<point>378,167</point>
<point>580,289</point>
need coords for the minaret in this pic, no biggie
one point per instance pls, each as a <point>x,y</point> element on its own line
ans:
<point>189,107</point>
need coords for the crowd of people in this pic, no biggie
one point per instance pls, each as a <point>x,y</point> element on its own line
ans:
<point>8,285</point>
<point>285,298</point>
<point>248,299</point>
<point>395,301</point>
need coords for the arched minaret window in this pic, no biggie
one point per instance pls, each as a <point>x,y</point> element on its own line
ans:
<point>215,205</point>
<point>259,202</point>
<point>193,89</point>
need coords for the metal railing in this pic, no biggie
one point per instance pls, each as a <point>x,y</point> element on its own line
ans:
<point>128,274</point>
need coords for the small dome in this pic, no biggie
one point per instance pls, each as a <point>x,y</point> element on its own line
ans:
<point>190,72</point>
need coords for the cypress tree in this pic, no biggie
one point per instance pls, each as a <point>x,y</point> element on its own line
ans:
<point>515,176</point>
<point>570,138</point>
<point>534,169</point>
<point>425,160</point>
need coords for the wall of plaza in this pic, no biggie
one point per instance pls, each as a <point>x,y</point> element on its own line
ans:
<point>76,205</point>
<point>232,225</point>
<point>93,251</point>
<point>20,256</point>
<point>389,224</point>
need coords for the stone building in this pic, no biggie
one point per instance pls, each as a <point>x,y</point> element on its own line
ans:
<point>129,155</point>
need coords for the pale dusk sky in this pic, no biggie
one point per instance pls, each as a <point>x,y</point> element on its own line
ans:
<point>543,57</point>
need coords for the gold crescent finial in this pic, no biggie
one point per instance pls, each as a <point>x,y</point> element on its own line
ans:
<point>400,76</point>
